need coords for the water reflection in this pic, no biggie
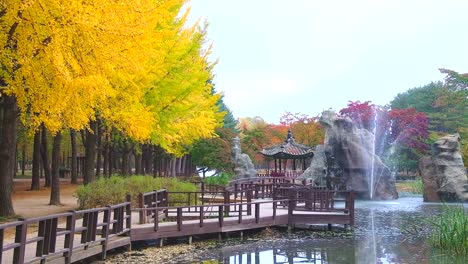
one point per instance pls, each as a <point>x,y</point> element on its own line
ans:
<point>292,252</point>
<point>385,232</point>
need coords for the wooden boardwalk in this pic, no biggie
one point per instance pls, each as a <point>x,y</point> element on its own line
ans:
<point>73,236</point>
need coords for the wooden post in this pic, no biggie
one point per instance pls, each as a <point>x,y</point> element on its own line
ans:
<point>201,215</point>
<point>179,218</point>
<point>68,243</point>
<point>240,213</point>
<point>128,214</point>
<point>257,212</point>
<point>142,213</point>
<point>275,205</point>
<point>20,237</point>
<point>220,215</point>
<point>249,201</point>
<point>105,232</point>
<point>226,202</point>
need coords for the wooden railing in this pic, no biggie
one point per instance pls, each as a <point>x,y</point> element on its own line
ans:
<point>75,235</point>
<point>154,198</point>
<point>290,174</point>
<point>239,210</point>
<point>159,201</point>
<point>55,235</point>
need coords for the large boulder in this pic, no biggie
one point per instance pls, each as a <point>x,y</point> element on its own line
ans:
<point>353,153</point>
<point>317,171</point>
<point>443,172</point>
<point>243,166</point>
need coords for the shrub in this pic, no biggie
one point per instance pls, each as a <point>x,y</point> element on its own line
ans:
<point>221,179</point>
<point>450,231</point>
<point>113,190</point>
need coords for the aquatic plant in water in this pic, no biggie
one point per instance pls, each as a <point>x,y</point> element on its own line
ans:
<point>450,231</point>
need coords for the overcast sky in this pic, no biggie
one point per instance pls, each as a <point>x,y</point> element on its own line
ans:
<point>306,55</point>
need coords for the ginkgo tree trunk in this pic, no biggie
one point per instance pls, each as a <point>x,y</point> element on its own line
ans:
<point>7,151</point>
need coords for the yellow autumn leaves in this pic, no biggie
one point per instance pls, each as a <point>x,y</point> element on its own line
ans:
<point>134,64</point>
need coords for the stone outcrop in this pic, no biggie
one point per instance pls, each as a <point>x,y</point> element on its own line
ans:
<point>317,171</point>
<point>352,161</point>
<point>243,166</point>
<point>443,172</point>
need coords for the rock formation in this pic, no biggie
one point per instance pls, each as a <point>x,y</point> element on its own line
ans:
<point>317,171</point>
<point>351,162</point>
<point>443,172</point>
<point>243,166</point>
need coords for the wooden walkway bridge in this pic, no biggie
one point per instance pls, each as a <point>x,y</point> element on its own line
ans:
<point>245,204</point>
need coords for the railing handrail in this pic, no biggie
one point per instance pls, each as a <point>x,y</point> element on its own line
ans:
<point>49,229</point>
<point>206,205</point>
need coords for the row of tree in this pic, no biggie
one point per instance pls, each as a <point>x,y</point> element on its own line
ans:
<point>126,73</point>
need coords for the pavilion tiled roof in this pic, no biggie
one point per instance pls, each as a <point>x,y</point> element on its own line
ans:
<point>288,150</point>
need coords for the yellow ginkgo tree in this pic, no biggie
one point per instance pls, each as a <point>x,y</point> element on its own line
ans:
<point>181,96</point>
<point>65,62</point>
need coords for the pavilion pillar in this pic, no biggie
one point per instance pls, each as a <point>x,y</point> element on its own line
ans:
<point>294,164</point>
<point>276,166</point>
<point>280,165</point>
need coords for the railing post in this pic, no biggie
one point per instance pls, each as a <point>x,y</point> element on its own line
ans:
<point>20,237</point>
<point>166,201</point>
<point>263,188</point>
<point>292,199</point>
<point>275,205</point>
<point>235,192</point>
<point>189,201</point>
<point>227,201</point>
<point>105,231</point>
<point>220,215</point>
<point>257,212</point>
<point>68,243</point>
<point>249,201</point>
<point>156,220</point>
<point>179,218</point>
<point>201,215</point>
<point>240,213</point>
<point>128,213</point>
<point>141,205</point>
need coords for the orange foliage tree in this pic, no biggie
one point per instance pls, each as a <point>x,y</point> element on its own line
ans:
<point>306,130</point>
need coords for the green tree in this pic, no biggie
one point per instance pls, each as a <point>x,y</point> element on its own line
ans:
<point>214,153</point>
<point>453,104</point>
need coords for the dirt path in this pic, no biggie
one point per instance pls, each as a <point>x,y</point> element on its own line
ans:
<point>36,203</point>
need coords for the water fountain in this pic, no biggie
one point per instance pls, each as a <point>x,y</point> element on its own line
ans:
<point>352,163</point>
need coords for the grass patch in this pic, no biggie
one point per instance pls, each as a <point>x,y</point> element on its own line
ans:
<point>6,219</point>
<point>450,231</point>
<point>113,190</point>
<point>414,187</point>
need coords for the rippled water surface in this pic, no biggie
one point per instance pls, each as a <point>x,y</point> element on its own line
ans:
<point>385,232</point>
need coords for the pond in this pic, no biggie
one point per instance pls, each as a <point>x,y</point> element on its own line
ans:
<point>385,232</point>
